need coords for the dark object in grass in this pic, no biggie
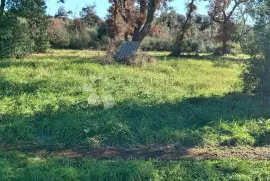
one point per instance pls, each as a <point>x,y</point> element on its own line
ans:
<point>126,50</point>
<point>128,53</point>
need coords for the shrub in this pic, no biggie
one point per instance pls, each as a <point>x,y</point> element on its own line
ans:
<point>157,44</point>
<point>79,40</point>
<point>103,30</point>
<point>256,77</point>
<point>190,46</point>
<point>58,34</point>
<point>98,41</point>
<point>39,33</point>
<point>234,48</point>
<point>79,35</point>
<point>15,40</point>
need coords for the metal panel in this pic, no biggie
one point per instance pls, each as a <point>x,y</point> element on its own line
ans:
<point>127,49</point>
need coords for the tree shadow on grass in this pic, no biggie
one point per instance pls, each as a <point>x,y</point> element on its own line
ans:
<point>42,61</point>
<point>212,58</point>
<point>9,89</point>
<point>129,124</point>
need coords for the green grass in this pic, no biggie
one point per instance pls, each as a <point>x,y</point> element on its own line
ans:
<point>17,166</point>
<point>68,98</point>
<point>192,102</point>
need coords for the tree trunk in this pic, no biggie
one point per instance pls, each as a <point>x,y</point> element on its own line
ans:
<point>142,30</point>
<point>224,46</point>
<point>2,7</point>
<point>178,45</point>
<point>140,35</point>
<point>224,40</point>
<point>126,36</point>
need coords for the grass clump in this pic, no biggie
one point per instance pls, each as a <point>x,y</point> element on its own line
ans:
<point>140,59</point>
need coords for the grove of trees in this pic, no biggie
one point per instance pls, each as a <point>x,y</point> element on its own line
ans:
<point>148,22</point>
<point>231,26</point>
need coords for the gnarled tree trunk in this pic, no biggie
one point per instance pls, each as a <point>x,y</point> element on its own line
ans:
<point>142,30</point>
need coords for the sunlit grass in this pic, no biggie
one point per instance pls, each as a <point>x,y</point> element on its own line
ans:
<point>189,101</point>
<point>16,166</point>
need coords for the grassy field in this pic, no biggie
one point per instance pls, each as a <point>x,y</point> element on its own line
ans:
<point>68,98</point>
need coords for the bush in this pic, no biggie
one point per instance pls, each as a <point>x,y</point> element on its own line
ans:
<point>79,40</point>
<point>58,34</point>
<point>234,48</point>
<point>256,77</point>
<point>15,38</point>
<point>191,45</point>
<point>79,35</point>
<point>157,44</point>
<point>39,33</point>
<point>98,41</point>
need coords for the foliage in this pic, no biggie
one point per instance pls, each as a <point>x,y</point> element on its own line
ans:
<point>131,18</point>
<point>221,11</point>
<point>58,33</point>
<point>89,16</point>
<point>157,44</point>
<point>34,12</point>
<point>62,13</point>
<point>76,34</point>
<point>256,76</point>
<point>79,34</point>
<point>98,41</point>
<point>179,39</point>
<point>14,37</point>
<point>253,76</point>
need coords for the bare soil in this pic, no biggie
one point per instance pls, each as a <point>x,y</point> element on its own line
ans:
<point>170,152</point>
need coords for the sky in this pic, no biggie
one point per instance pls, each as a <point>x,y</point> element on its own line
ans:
<point>102,6</point>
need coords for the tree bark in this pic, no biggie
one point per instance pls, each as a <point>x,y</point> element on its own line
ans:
<point>2,7</point>
<point>177,50</point>
<point>224,46</point>
<point>224,38</point>
<point>141,31</point>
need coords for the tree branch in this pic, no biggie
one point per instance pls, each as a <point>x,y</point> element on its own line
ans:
<point>2,7</point>
<point>235,6</point>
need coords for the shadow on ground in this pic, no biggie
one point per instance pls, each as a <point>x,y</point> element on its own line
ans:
<point>213,58</point>
<point>44,61</point>
<point>186,122</point>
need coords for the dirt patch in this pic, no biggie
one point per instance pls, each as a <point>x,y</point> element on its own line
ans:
<point>170,152</point>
